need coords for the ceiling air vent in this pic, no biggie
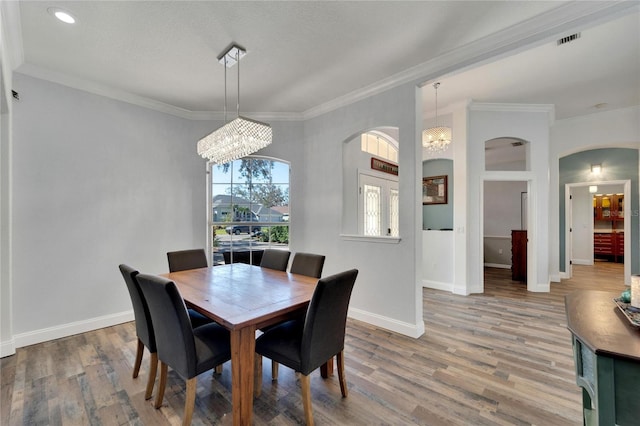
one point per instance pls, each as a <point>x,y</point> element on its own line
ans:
<point>567,39</point>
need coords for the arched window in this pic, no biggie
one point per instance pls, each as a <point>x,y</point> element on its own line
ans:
<point>370,185</point>
<point>248,209</point>
<point>379,144</point>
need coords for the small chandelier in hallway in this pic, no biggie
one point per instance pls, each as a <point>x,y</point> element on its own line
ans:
<point>436,139</point>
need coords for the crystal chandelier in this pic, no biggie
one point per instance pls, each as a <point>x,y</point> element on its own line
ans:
<point>240,137</point>
<point>436,139</point>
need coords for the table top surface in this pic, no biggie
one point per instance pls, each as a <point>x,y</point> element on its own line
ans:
<point>238,294</point>
<point>594,318</point>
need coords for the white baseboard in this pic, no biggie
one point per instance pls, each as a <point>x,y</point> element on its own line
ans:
<point>7,348</point>
<point>411,330</point>
<point>564,276</point>
<point>539,287</point>
<point>588,262</point>
<point>437,285</point>
<point>497,265</point>
<point>555,278</point>
<point>69,329</point>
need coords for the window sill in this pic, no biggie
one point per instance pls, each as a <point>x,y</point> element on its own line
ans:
<point>370,238</point>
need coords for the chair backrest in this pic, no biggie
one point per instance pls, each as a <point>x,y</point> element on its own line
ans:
<point>144,328</point>
<point>171,324</point>
<point>307,264</point>
<point>275,259</point>
<point>326,320</point>
<point>253,257</point>
<point>186,259</point>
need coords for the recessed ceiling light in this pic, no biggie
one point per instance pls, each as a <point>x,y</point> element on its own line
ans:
<point>62,15</point>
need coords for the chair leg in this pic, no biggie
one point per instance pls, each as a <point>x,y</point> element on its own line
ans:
<point>139,351</point>
<point>343,381</point>
<point>190,401</point>
<point>218,369</point>
<point>274,370</point>
<point>161,385</point>
<point>153,368</point>
<point>257,375</point>
<point>305,383</point>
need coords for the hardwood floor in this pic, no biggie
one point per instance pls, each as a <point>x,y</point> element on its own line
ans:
<point>499,358</point>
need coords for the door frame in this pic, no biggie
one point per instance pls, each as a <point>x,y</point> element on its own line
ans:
<point>532,240</point>
<point>568,237</point>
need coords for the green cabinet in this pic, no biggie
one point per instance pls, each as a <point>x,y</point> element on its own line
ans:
<point>606,351</point>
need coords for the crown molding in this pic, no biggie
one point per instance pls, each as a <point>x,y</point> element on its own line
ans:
<point>548,109</point>
<point>141,101</point>
<point>536,30</point>
<point>523,35</point>
<point>110,92</point>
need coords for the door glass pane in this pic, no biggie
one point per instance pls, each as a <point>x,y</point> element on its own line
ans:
<point>394,212</point>
<point>372,209</point>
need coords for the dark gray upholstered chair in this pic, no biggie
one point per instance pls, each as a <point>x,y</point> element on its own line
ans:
<point>253,257</point>
<point>189,259</point>
<point>275,259</point>
<point>307,264</point>
<point>304,264</point>
<point>188,351</point>
<point>306,344</point>
<point>144,329</point>
<point>186,259</point>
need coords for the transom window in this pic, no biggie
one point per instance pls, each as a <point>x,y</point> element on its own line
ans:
<point>248,209</point>
<point>377,144</point>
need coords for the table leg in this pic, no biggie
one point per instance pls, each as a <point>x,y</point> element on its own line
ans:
<point>326,369</point>
<point>243,345</point>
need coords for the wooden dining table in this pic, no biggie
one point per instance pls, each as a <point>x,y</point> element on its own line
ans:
<point>243,298</point>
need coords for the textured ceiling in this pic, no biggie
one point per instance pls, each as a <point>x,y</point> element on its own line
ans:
<point>302,55</point>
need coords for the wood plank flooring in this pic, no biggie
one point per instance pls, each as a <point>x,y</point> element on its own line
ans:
<point>499,358</point>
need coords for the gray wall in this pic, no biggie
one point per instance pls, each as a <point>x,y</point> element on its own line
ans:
<point>387,283</point>
<point>439,216</point>
<point>97,183</point>
<point>617,164</point>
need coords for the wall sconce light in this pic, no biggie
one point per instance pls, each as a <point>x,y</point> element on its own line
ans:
<point>596,169</point>
<point>593,189</point>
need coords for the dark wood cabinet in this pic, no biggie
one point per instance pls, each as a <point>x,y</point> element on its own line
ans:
<point>609,245</point>
<point>519,255</point>
<point>608,216</point>
<point>608,207</point>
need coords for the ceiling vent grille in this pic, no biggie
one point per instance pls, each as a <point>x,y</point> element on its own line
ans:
<point>567,39</point>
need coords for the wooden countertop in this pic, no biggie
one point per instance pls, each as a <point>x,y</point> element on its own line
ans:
<point>594,318</point>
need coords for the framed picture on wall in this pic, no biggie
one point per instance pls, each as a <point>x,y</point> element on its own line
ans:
<point>434,190</point>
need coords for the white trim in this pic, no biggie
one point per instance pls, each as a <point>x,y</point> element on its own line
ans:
<point>497,265</point>
<point>370,238</point>
<point>69,329</point>
<point>405,328</point>
<point>437,285</point>
<point>549,109</point>
<point>532,32</point>
<point>539,287</point>
<point>7,348</point>
<point>626,183</point>
<point>11,21</point>
<point>555,278</point>
<point>588,262</point>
